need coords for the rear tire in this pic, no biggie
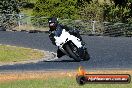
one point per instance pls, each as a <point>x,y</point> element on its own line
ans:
<point>72,54</point>
<point>86,56</point>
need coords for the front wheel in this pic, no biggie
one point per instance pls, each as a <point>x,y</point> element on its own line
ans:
<point>72,54</point>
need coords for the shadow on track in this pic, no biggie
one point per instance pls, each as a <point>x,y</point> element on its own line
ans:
<point>61,61</point>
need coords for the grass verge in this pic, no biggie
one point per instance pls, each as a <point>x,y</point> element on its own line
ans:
<point>54,80</point>
<point>16,54</point>
<point>58,83</point>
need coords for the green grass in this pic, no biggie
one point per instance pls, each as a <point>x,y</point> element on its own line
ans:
<point>16,54</point>
<point>57,83</point>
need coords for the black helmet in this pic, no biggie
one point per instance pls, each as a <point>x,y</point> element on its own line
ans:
<point>53,21</point>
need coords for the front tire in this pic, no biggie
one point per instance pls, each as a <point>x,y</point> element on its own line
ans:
<point>72,54</point>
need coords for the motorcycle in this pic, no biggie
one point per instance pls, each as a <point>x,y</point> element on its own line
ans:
<point>70,45</point>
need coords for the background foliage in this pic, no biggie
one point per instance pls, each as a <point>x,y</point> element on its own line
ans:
<point>66,9</point>
<point>91,11</point>
<point>114,11</point>
<point>8,11</point>
<point>86,10</point>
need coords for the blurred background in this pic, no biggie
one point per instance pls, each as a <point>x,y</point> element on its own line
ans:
<point>91,17</point>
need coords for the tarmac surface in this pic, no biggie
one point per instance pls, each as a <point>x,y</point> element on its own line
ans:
<point>105,52</point>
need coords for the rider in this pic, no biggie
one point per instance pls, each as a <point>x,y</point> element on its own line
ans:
<point>56,29</point>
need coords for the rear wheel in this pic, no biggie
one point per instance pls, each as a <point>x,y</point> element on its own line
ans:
<point>85,56</point>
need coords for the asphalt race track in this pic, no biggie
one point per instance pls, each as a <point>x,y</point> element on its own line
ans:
<point>105,52</point>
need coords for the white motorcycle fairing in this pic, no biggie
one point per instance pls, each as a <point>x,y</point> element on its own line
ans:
<point>65,37</point>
